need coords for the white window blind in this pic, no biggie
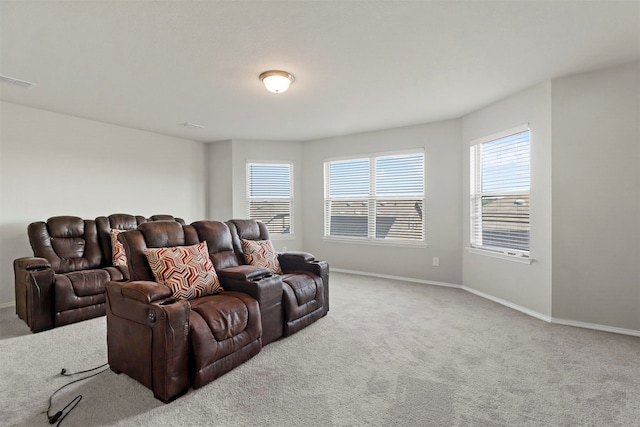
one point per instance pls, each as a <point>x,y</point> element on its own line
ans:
<point>270,195</point>
<point>377,197</point>
<point>500,203</point>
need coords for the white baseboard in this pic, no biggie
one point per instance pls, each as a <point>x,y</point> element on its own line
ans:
<point>506,303</point>
<point>596,327</point>
<point>8,304</point>
<point>404,279</point>
<point>527,311</point>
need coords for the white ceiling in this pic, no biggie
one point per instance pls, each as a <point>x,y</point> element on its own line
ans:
<point>359,65</point>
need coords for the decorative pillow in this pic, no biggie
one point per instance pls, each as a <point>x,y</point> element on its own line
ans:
<point>117,248</point>
<point>186,270</point>
<point>262,254</point>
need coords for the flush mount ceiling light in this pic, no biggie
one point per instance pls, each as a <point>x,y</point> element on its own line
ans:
<point>276,81</point>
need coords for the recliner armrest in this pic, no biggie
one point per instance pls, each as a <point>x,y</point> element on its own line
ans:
<point>133,300</point>
<point>146,291</point>
<point>34,279</point>
<point>296,256</point>
<point>158,356</point>
<point>32,263</point>
<point>243,272</point>
<point>303,261</point>
<point>266,289</point>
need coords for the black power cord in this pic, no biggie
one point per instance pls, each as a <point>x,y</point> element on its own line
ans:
<point>68,374</point>
<point>59,416</point>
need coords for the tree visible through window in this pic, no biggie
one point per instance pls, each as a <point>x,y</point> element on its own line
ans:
<point>377,197</point>
<point>500,204</point>
<point>270,195</point>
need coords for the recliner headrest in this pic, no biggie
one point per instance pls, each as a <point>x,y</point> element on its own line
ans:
<point>65,226</point>
<point>158,234</point>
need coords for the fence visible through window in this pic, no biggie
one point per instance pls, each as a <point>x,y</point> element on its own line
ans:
<point>270,195</point>
<point>500,202</point>
<point>378,197</point>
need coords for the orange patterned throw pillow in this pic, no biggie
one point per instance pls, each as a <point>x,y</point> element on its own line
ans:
<point>117,248</point>
<point>186,270</point>
<point>262,254</point>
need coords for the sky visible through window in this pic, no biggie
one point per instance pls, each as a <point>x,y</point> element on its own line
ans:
<point>400,175</point>
<point>505,163</point>
<point>270,195</point>
<point>269,180</point>
<point>350,178</point>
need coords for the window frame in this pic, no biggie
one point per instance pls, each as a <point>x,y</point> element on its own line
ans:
<point>476,194</point>
<point>289,199</point>
<point>371,200</point>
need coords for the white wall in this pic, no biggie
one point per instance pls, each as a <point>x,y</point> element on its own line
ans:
<point>525,285</point>
<point>54,164</point>
<point>441,144</point>
<point>596,199</point>
<point>220,180</point>
<point>228,169</point>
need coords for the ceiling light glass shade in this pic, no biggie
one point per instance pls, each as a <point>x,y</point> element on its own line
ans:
<point>276,81</point>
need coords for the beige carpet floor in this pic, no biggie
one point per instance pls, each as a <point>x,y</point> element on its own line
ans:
<point>389,353</point>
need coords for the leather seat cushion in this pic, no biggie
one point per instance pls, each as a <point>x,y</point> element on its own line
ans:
<point>304,286</point>
<point>83,288</point>
<point>221,325</point>
<point>303,294</point>
<point>88,282</point>
<point>225,316</point>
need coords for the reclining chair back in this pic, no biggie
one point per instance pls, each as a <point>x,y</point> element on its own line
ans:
<point>117,221</point>
<point>219,241</point>
<point>166,218</point>
<point>247,229</point>
<point>69,243</point>
<point>156,234</point>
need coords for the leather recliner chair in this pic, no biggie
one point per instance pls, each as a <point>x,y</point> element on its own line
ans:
<point>305,281</point>
<point>168,345</point>
<point>64,281</point>
<point>258,282</point>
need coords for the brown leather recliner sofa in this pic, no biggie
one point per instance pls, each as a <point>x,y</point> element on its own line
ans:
<point>305,281</point>
<point>64,281</point>
<point>169,345</point>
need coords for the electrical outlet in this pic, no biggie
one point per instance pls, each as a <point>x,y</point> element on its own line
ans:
<point>284,249</point>
<point>436,261</point>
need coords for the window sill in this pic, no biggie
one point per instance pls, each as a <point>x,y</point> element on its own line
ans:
<point>500,255</point>
<point>376,242</point>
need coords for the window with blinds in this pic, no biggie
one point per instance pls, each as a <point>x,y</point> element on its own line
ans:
<point>270,195</point>
<point>500,181</point>
<point>377,197</point>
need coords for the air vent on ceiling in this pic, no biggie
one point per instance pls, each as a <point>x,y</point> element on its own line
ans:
<point>16,82</point>
<point>191,125</point>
